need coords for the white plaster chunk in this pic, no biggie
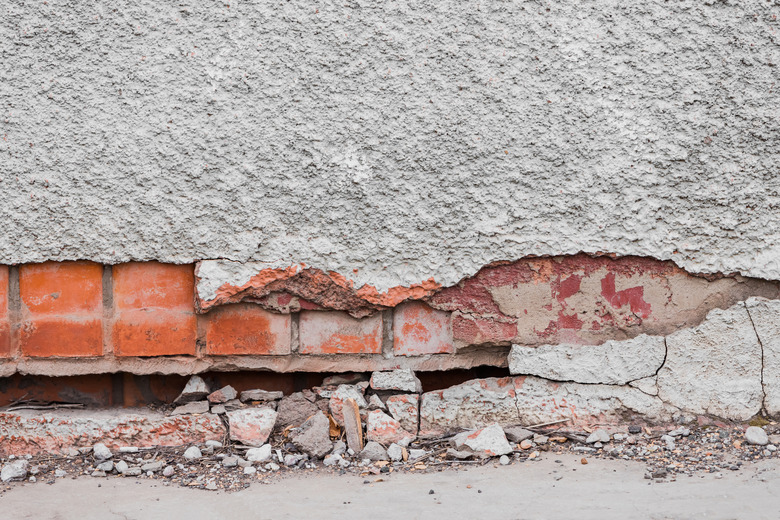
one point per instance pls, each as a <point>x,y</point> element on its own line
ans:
<point>541,401</point>
<point>714,368</point>
<point>765,315</point>
<point>473,404</point>
<point>528,400</point>
<point>489,441</point>
<point>612,362</point>
<point>401,380</point>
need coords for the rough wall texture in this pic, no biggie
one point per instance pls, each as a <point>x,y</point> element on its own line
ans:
<point>394,142</point>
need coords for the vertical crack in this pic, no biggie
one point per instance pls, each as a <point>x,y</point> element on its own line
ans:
<point>760,344</point>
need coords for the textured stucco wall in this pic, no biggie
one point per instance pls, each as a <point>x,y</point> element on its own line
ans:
<point>402,139</point>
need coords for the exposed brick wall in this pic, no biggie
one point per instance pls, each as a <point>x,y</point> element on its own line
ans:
<point>65,318</point>
<point>148,310</point>
<point>5,323</point>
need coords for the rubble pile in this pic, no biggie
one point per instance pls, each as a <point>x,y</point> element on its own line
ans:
<point>371,426</point>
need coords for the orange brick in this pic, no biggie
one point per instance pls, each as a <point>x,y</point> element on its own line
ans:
<point>5,339</point>
<point>339,333</point>
<point>419,330</point>
<point>3,291</point>
<point>141,285</point>
<point>62,308</point>
<point>154,332</point>
<point>247,329</point>
<point>62,337</point>
<point>62,288</point>
<point>5,326</point>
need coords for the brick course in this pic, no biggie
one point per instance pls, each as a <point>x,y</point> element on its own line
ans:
<point>5,324</point>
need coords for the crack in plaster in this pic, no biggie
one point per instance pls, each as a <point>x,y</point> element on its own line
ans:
<point>761,344</point>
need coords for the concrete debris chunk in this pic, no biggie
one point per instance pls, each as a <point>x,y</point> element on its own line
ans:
<point>335,460</point>
<point>218,409</point>
<point>382,428</point>
<point>168,471</point>
<point>373,452</point>
<point>293,460</point>
<point>235,404</point>
<point>395,452</point>
<point>230,462</point>
<point>348,378</point>
<point>192,408</point>
<point>121,467</point>
<point>489,441</point>
<point>340,395</point>
<point>192,453</point>
<point>452,453</point>
<point>222,395</point>
<point>213,444</point>
<point>401,380</point>
<point>294,409</point>
<point>260,395</point>
<point>195,390</point>
<point>153,466</point>
<point>598,436</point>
<point>756,436</point>
<point>415,454</point>
<point>101,452</point>
<point>472,404</point>
<point>375,403</point>
<point>106,466</point>
<point>339,448</point>
<point>313,437</point>
<point>14,470</point>
<point>261,454</point>
<point>517,433</point>
<point>405,408</point>
<point>132,472</point>
<point>251,426</point>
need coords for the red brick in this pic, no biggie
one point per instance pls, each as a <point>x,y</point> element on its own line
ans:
<point>62,309</point>
<point>62,337</point>
<point>5,339</point>
<point>141,285</point>
<point>5,325</point>
<point>62,288</point>
<point>246,329</point>
<point>419,330</point>
<point>154,332</point>
<point>3,291</point>
<point>154,306</point>
<point>339,333</point>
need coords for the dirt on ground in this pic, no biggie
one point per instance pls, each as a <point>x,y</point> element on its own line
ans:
<point>551,486</point>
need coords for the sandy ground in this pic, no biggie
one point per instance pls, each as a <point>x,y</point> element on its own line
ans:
<point>533,490</point>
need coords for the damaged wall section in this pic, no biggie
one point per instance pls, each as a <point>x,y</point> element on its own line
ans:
<point>70,318</point>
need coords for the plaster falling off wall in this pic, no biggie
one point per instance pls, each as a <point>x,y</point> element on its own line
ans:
<point>391,144</point>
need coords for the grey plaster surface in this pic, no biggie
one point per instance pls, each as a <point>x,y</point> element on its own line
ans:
<point>405,140</point>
